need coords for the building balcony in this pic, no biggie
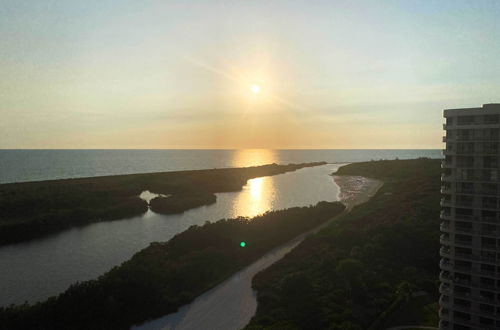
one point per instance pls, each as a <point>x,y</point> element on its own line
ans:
<point>464,295</point>
<point>491,287</point>
<point>444,301</point>
<point>446,202</point>
<point>485,272</point>
<point>488,313</point>
<point>471,325</point>
<point>444,227</point>
<point>446,190</point>
<point>464,269</point>
<point>466,217</point>
<point>444,240</point>
<point>465,178</point>
<point>461,243</point>
<point>491,247</point>
<point>470,297</point>
<point>490,259</point>
<point>462,281</point>
<point>464,230</point>
<point>462,308</point>
<point>466,204</point>
<point>446,265</point>
<point>445,216</point>
<point>446,164</point>
<point>444,325</point>
<point>466,152</point>
<point>491,233</point>
<point>445,252</point>
<point>465,165</point>
<point>445,288</point>
<point>475,311</point>
<point>486,152</point>
<point>466,192</point>
<point>445,277</point>
<point>489,192</point>
<point>444,313</point>
<point>447,177</point>
<point>489,206</point>
<point>467,256</point>
<point>490,220</point>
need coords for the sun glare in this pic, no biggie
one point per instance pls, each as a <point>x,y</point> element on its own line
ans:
<point>255,89</point>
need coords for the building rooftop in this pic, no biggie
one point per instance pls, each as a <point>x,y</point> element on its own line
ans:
<point>490,108</point>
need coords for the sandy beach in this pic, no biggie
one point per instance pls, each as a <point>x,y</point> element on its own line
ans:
<point>232,304</point>
<point>355,190</point>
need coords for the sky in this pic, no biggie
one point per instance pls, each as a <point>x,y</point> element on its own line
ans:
<point>179,74</point>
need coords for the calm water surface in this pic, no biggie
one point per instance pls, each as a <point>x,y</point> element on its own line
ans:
<point>38,269</point>
<point>35,165</point>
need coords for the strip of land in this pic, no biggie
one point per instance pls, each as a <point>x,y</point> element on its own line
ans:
<point>362,269</point>
<point>34,209</point>
<point>232,303</point>
<point>164,276</point>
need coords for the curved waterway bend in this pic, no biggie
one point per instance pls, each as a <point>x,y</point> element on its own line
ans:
<point>41,268</point>
<point>233,303</point>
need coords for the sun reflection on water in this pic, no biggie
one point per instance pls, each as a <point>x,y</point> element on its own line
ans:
<point>256,188</point>
<point>253,157</point>
<point>256,198</point>
<point>258,194</point>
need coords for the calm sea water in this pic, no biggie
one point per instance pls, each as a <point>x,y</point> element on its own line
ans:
<point>41,268</point>
<point>35,165</point>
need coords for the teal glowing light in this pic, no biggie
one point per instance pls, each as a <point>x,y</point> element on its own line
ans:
<point>242,244</point>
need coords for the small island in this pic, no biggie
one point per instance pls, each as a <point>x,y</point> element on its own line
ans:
<point>30,210</point>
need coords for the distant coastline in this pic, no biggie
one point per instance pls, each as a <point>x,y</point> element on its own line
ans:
<point>30,210</point>
<point>38,165</point>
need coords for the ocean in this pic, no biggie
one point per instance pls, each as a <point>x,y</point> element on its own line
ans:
<point>37,165</point>
<point>35,270</point>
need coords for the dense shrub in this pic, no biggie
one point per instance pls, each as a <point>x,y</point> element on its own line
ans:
<point>34,209</point>
<point>356,266</point>
<point>164,276</point>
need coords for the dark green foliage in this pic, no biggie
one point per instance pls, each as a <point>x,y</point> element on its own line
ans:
<point>34,209</point>
<point>164,276</point>
<point>181,202</point>
<point>363,266</point>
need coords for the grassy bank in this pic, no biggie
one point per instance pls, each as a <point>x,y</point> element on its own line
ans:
<point>363,268</point>
<point>33,209</point>
<point>164,276</point>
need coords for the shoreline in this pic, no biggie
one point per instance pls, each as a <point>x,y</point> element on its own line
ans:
<point>381,240</point>
<point>356,190</point>
<point>233,303</point>
<point>30,210</point>
<point>159,279</point>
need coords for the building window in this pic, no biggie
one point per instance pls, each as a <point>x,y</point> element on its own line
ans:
<point>465,120</point>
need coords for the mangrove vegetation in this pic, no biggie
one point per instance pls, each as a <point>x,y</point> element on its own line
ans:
<point>33,209</point>
<point>164,276</point>
<point>362,269</point>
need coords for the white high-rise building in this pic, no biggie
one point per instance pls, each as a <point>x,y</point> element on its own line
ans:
<point>470,240</point>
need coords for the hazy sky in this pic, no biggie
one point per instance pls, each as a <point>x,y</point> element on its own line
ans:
<point>177,74</point>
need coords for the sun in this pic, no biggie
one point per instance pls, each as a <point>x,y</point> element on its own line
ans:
<point>255,89</point>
